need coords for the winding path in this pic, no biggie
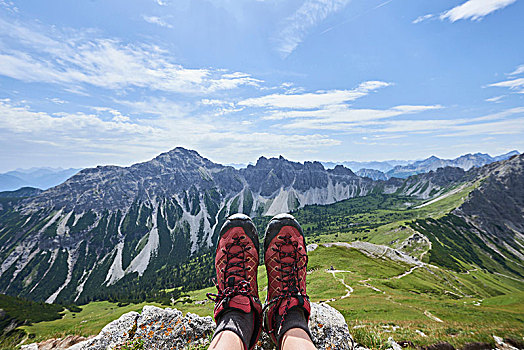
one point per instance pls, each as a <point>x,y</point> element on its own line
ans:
<point>349,289</point>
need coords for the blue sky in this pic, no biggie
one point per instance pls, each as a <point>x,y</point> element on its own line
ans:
<point>84,83</point>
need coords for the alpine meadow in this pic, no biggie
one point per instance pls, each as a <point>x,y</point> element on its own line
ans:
<point>262,174</point>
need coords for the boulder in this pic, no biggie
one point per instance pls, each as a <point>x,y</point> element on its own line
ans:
<point>168,328</point>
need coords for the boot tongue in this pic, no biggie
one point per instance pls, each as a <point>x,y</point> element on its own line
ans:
<point>283,305</point>
<point>241,302</point>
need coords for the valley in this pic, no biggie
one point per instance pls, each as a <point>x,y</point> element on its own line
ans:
<point>427,259</point>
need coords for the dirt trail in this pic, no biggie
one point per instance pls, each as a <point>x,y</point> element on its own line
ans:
<point>349,289</point>
<point>407,272</point>
<point>433,317</point>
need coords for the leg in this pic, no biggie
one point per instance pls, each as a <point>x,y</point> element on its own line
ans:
<point>226,340</point>
<point>237,306</point>
<point>288,307</point>
<point>297,339</point>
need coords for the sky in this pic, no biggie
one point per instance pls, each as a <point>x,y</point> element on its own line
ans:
<point>86,83</point>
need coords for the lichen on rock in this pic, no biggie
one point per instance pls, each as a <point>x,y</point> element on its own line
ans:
<point>161,329</point>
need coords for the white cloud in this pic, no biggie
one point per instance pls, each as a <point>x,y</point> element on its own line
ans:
<point>423,18</point>
<point>474,9</point>
<point>297,26</point>
<point>344,118</point>
<point>157,20</point>
<point>161,2</point>
<point>313,99</point>
<point>9,5</point>
<point>518,70</point>
<point>495,99</point>
<point>57,101</point>
<point>108,133</point>
<point>509,122</point>
<point>71,59</point>
<point>20,119</point>
<point>512,84</point>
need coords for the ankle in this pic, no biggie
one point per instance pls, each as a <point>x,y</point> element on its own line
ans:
<point>236,321</point>
<point>294,320</point>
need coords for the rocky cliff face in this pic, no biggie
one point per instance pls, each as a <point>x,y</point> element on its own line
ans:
<point>109,225</point>
<point>496,207</point>
<point>487,230</point>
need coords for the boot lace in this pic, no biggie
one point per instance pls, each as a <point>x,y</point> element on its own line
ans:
<point>233,268</point>
<point>289,278</point>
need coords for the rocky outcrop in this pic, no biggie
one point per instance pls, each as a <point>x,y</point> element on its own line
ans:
<point>55,344</point>
<point>166,329</point>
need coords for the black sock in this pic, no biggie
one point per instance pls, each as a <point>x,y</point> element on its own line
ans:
<point>294,318</point>
<point>238,322</point>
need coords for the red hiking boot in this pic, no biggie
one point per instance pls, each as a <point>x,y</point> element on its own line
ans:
<point>286,259</point>
<point>236,264</point>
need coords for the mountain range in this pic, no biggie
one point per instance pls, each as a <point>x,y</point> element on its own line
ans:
<point>465,162</point>
<point>110,228</point>
<point>42,178</point>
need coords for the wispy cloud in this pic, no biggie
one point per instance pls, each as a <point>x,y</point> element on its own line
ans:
<point>73,60</point>
<point>495,99</point>
<point>9,6</point>
<point>344,118</point>
<point>518,70</point>
<point>475,9</point>
<point>21,119</point>
<point>513,83</point>
<point>298,25</point>
<point>423,18</point>
<point>472,9</point>
<point>107,131</point>
<point>507,122</point>
<point>157,20</point>
<point>313,99</point>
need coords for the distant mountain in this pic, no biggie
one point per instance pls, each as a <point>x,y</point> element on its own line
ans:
<point>111,231</point>
<point>465,162</point>
<point>486,231</point>
<point>42,178</point>
<point>21,192</point>
<point>106,228</point>
<point>375,165</point>
<point>372,174</point>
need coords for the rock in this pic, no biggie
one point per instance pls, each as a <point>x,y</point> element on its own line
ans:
<point>439,346</point>
<point>55,344</point>
<point>114,333</point>
<point>394,345</point>
<point>169,329</point>
<point>502,345</point>
<point>329,328</point>
<point>477,346</point>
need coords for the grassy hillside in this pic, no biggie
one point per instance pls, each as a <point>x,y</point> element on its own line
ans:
<point>383,302</point>
<point>15,312</point>
<point>465,292</point>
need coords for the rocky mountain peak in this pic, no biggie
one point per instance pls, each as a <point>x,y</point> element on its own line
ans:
<point>341,170</point>
<point>180,157</point>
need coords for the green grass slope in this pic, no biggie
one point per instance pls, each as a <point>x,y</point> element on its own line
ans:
<point>383,301</point>
<point>464,292</point>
